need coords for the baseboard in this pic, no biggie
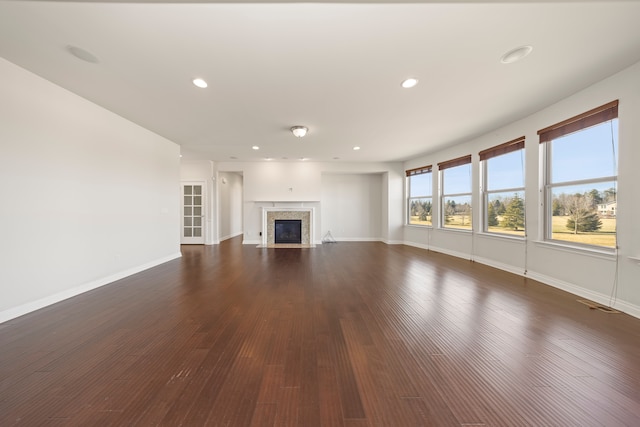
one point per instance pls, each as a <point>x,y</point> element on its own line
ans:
<point>598,297</point>
<point>392,242</point>
<point>230,236</point>
<point>500,266</point>
<point>29,307</point>
<point>456,254</point>
<point>417,245</point>
<point>625,307</point>
<point>440,250</point>
<point>251,242</point>
<point>358,239</point>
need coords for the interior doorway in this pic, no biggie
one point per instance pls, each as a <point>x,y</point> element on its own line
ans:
<point>230,198</point>
<point>193,213</point>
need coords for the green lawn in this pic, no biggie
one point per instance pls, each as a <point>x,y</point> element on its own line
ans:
<point>462,222</point>
<point>413,220</point>
<point>503,230</point>
<point>606,236</point>
<point>456,221</point>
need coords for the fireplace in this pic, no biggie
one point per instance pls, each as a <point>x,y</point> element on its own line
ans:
<point>288,231</point>
<point>304,215</point>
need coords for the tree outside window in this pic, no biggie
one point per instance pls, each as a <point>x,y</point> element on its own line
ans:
<point>419,200</point>
<point>581,178</point>
<point>503,188</point>
<point>455,199</point>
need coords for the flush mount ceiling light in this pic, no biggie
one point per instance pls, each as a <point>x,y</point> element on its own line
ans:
<point>299,131</point>
<point>82,54</point>
<point>255,147</point>
<point>200,83</point>
<point>356,148</point>
<point>516,54</point>
<point>409,83</point>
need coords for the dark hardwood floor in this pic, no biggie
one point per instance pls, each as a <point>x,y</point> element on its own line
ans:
<point>346,334</point>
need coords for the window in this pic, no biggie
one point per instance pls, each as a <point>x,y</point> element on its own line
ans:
<point>581,178</point>
<point>455,200</point>
<point>419,201</point>
<point>503,188</point>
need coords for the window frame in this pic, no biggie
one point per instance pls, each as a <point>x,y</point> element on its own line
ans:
<point>594,117</point>
<point>517,144</point>
<point>423,170</point>
<point>442,167</point>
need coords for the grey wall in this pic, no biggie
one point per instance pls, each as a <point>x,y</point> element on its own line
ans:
<point>590,274</point>
<point>87,196</point>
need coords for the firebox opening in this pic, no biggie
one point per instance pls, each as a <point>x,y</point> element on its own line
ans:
<point>288,231</point>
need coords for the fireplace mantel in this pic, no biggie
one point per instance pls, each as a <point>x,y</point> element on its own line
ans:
<point>270,214</point>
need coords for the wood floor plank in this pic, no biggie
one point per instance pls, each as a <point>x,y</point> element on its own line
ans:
<point>351,334</point>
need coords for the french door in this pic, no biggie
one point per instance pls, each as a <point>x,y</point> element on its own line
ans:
<point>193,209</point>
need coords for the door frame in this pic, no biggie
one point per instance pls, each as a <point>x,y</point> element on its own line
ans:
<point>193,240</point>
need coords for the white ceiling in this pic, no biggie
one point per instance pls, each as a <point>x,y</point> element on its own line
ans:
<point>334,67</point>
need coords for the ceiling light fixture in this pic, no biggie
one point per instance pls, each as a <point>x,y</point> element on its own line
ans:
<point>299,131</point>
<point>515,55</point>
<point>83,54</point>
<point>409,83</point>
<point>200,83</point>
<point>356,148</point>
<point>255,147</point>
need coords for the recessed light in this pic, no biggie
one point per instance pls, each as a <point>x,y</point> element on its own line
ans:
<point>356,148</point>
<point>85,55</point>
<point>303,159</point>
<point>409,83</point>
<point>200,83</point>
<point>515,55</point>
<point>255,147</point>
<point>233,158</point>
<point>268,158</point>
<point>336,158</point>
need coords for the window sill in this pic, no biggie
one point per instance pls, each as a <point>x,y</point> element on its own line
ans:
<point>456,230</point>
<point>498,236</point>
<point>595,253</point>
<point>418,226</point>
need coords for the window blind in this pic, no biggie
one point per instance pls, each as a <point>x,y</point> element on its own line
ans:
<point>498,150</point>
<point>593,117</point>
<point>455,162</point>
<point>419,171</point>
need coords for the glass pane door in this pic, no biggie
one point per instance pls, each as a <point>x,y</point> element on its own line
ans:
<point>193,214</point>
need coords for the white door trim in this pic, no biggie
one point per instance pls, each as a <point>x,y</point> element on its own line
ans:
<point>202,218</point>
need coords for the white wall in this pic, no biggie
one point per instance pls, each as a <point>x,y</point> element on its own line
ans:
<point>230,201</point>
<point>352,206</point>
<point>300,184</point>
<point>87,197</point>
<point>585,273</point>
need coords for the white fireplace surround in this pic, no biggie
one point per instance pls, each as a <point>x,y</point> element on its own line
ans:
<point>269,215</point>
